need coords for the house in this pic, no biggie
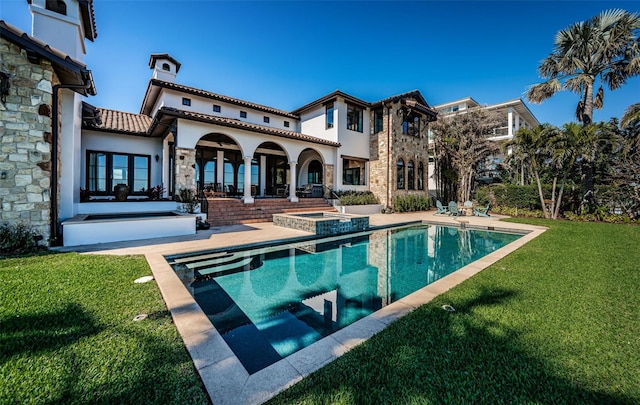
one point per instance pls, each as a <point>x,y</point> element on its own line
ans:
<point>515,115</point>
<point>62,149</point>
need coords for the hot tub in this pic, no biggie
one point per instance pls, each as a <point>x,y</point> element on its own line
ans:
<point>323,223</point>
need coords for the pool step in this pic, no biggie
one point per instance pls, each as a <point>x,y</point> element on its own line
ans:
<point>231,211</point>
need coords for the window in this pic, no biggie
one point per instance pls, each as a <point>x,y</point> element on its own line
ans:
<point>329,115</point>
<point>410,176</point>
<point>420,176</point>
<point>400,178</point>
<point>165,66</point>
<point>57,6</point>
<point>243,114</point>
<point>286,124</point>
<point>106,169</point>
<point>354,118</point>
<point>377,121</point>
<point>411,125</point>
<point>216,108</point>
<point>186,101</point>
<point>265,119</point>
<point>353,172</point>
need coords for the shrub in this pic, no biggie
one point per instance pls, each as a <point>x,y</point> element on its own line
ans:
<point>188,199</point>
<point>18,239</point>
<point>154,193</point>
<point>410,203</point>
<point>357,197</point>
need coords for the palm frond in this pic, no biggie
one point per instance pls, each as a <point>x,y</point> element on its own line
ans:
<point>631,116</point>
<point>537,93</point>
<point>598,100</point>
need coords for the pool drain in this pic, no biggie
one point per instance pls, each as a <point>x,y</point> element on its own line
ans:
<point>140,317</point>
<point>144,279</point>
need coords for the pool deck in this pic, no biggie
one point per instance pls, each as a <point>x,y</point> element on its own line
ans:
<point>225,379</point>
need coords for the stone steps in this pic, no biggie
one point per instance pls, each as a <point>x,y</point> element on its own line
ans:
<point>231,211</point>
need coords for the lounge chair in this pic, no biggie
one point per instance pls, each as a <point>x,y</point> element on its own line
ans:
<point>482,213</point>
<point>453,208</point>
<point>440,208</point>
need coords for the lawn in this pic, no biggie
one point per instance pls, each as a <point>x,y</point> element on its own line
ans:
<point>67,334</point>
<point>558,321</point>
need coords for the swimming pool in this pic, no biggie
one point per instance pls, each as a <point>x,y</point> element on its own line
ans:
<point>270,302</point>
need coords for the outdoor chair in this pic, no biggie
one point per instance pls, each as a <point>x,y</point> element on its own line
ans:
<point>453,208</point>
<point>305,191</point>
<point>282,191</point>
<point>440,208</point>
<point>482,213</point>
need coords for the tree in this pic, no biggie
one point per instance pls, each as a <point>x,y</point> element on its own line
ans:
<point>631,116</point>
<point>461,145</point>
<point>604,48</point>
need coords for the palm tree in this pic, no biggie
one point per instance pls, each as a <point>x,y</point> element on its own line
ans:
<point>631,116</point>
<point>604,47</point>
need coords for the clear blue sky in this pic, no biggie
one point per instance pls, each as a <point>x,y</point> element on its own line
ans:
<point>286,54</point>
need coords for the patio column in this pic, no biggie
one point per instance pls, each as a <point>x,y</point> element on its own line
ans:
<point>247,198</point>
<point>510,122</point>
<point>263,175</point>
<point>292,184</point>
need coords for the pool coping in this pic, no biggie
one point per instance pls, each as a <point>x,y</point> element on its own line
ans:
<point>224,377</point>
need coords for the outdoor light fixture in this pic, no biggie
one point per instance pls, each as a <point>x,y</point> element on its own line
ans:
<point>4,86</point>
<point>157,157</point>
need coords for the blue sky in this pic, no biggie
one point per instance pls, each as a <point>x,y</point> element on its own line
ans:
<point>286,54</point>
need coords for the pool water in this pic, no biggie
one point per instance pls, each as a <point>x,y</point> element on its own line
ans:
<point>270,302</point>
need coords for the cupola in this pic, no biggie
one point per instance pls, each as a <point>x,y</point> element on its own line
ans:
<point>164,67</point>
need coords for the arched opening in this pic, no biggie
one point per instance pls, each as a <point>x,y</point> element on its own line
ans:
<point>57,6</point>
<point>165,66</point>
<point>219,165</point>
<point>272,172</point>
<point>400,176</point>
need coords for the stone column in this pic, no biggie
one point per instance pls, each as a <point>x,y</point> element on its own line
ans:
<point>247,198</point>
<point>327,178</point>
<point>293,182</point>
<point>185,161</point>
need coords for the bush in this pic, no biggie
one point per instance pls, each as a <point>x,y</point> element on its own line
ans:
<point>357,197</point>
<point>517,212</point>
<point>410,203</point>
<point>18,239</point>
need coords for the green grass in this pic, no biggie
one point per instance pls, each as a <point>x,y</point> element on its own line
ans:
<point>67,334</point>
<point>556,322</point>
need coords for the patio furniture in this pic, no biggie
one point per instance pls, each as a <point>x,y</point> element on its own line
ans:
<point>231,189</point>
<point>440,208</point>
<point>482,213</point>
<point>453,208</point>
<point>282,191</point>
<point>466,208</point>
<point>305,191</point>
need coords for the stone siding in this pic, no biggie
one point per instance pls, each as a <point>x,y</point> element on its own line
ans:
<point>383,163</point>
<point>25,142</point>
<point>185,162</point>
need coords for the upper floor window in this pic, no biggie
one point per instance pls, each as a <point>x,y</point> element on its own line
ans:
<point>57,6</point>
<point>286,124</point>
<point>265,119</point>
<point>165,66</point>
<point>354,118</point>
<point>377,121</point>
<point>243,114</point>
<point>329,115</point>
<point>411,125</point>
<point>216,108</point>
<point>186,101</point>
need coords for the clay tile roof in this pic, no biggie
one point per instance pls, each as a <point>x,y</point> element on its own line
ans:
<point>122,122</point>
<point>219,97</point>
<point>234,123</point>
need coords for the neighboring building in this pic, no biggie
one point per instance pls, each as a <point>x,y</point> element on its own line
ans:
<point>515,115</point>
<point>183,137</point>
